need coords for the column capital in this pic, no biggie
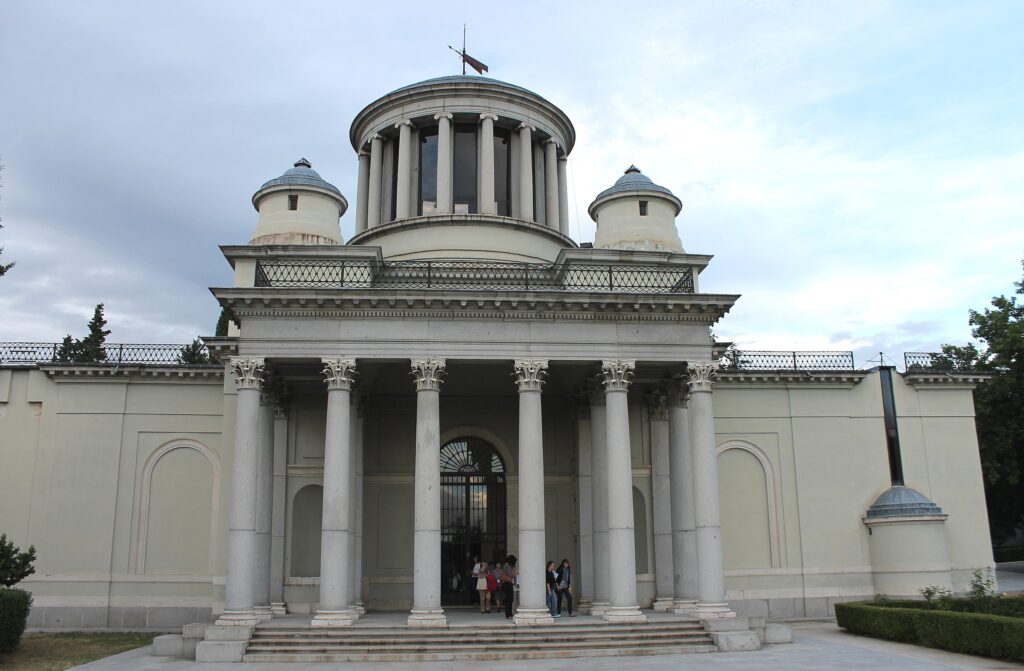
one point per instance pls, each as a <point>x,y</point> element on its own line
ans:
<point>580,400</point>
<point>443,115</point>
<point>339,373</point>
<point>489,115</point>
<point>428,374</point>
<point>702,375</point>
<point>530,374</point>
<point>280,411</point>
<point>403,122</point>
<point>563,158</point>
<point>526,126</point>
<point>595,388</point>
<point>363,152</point>
<point>657,404</point>
<point>551,140</point>
<point>248,371</point>
<point>376,137</point>
<point>679,392</point>
<point>617,374</point>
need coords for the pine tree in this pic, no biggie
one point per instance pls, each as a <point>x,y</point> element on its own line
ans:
<point>194,353</point>
<point>89,349</point>
<point>221,329</point>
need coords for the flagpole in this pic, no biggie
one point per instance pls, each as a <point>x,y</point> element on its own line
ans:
<point>463,48</point>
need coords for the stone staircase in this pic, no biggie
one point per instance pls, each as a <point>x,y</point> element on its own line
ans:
<point>487,642</point>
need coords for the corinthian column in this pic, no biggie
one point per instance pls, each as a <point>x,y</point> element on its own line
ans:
<point>684,542</point>
<point>404,186</point>
<point>356,539</point>
<point>526,171</point>
<point>426,553</point>
<point>238,605</point>
<point>373,200</point>
<point>657,408</point>
<point>487,204</point>
<point>710,574</point>
<point>444,163</point>
<point>599,485</point>
<point>532,607</point>
<point>277,605</point>
<point>264,506</point>
<point>551,208</point>
<point>621,544</point>
<point>585,492</point>
<point>335,567</point>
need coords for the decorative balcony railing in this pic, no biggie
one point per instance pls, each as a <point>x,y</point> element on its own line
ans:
<point>470,275</point>
<point>114,353</point>
<point>934,362</point>
<point>739,360</point>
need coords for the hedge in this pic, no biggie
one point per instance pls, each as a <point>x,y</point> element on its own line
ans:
<point>14,606</point>
<point>1010,606</point>
<point>969,633</point>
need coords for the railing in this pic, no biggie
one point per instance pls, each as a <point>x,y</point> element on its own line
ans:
<point>486,275</point>
<point>760,360</point>
<point>933,362</point>
<point>114,353</point>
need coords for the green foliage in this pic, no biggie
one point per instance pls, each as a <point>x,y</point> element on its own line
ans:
<point>194,353</point>
<point>89,349</point>
<point>1009,606</point>
<point>999,406</point>
<point>14,607</point>
<point>15,565</point>
<point>983,585</point>
<point>935,592</point>
<point>221,330</point>
<point>892,624</point>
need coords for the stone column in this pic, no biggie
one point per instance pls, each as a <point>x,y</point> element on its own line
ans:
<point>264,506</point>
<point>710,573</point>
<point>373,204</point>
<point>657,408</point>
<point>584,492</point>
<point>404,185</point>
<point>533,609</point>
<point>356,538</point>
<point>238,604</point>
<point>280,487</point>
<point>426,554</point>
<point>487,204</point>
<point>599,486</point>
<point>684,543</point>
<point>563,198</point>
<point>335,568</point>
<point>551,208</point>
<point>363,191</point>
<point>621,544</point>
<point>444,163</point>
<point>526,171</point>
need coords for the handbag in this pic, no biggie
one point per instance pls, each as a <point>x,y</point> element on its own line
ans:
<point>481,583</point>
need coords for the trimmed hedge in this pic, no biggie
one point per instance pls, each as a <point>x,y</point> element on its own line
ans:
<point>969,633</point>
<point>14,607</point>
<point>1009,606</point>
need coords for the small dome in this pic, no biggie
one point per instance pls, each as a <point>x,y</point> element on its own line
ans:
<point>633,180</point>
<point>900,501</point>
<point>302,174</point>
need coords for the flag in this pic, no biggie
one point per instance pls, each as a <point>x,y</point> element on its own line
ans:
<point>474,63</point>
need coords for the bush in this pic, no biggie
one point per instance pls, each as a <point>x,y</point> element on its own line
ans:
<point>892,624</point>
<point>14,607</point>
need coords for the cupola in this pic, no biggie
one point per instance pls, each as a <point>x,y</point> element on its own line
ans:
<point>298,208</point>
<point>635,213</point>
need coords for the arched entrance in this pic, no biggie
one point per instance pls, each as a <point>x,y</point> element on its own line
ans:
<point>473,505</point>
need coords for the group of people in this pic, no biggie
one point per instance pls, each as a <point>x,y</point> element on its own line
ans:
<point>497,583</point>
<point>559,586</point>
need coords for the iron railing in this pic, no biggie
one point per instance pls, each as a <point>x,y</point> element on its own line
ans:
<point>933,362</point>
<point>114,353</point>
<point>485,275</point>
<point>761,360</point>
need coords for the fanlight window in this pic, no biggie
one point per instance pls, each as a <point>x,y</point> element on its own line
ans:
<point>470,456</point>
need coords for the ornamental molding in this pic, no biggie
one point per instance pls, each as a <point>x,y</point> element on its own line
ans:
<point>657,404</point>
<point>428,374</point>
<point>443,115</point>
<point>790,378</point>
<point>248,372</point>
<point>93,372</point>
<point>489,115</point>
<point>339,373</point>
<point>617,374</point>
<point>404,122</point>
<point>527,126</point>
<point>702,375</point>
<point>945,379</point>
<point>530,374</point>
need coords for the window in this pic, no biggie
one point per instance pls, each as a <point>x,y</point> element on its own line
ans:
<point>643,208</point>
<point>293,202</point>
<point>464,168</point>
<point>428,171</point>
<point>502,171</point>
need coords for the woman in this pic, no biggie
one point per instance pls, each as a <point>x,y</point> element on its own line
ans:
<point>509,575</point>
<point>552,588</point>
<point>496,573</point>
<point>563,582</point>
<point>474,575</point>
<point>481,587</point>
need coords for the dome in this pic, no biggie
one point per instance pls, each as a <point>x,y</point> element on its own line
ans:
<point>633,180</point>
<point>301,174</point>
<point>900,501</point>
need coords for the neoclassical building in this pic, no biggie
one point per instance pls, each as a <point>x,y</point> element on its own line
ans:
<point>462,379</point>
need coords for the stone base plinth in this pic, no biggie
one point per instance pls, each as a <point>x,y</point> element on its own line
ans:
<point>359,608</point>
<point>427,618</point>
<point>585,607</point>
<point>264,613</point>
<point>169,645</point>
<point>707,610</point>
<point>531,617</point>
<point>333,618</point>
<point>238,618</point>
<point>684,607</point>
<point>278,608</point>
<point>663,605</point>
<point>620,614</point>
<point>598,608</point>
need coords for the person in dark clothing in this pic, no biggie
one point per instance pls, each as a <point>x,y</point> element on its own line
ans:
<point>563,584</point>
<point>552,589</point>
<point>509,575</point>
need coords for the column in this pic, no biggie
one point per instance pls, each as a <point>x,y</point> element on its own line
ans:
<point>444,164</point>
<point>404,185</point>
<point>533,608</point>
<point>584,577</point>
<point>657,408</point>
<point>621,546</point>
<point>563,198</point>
<point>238,604</point>
<point>526,171</point>
<point>374,196</point>
<point>277,604</point>
<point>426,554</point>
<point>487,204</point>
<point>551,184</point>
<point>684,542</point>
<point>356,538</point>
<point>362,191</point>
<point>710,573</point>
<point>264,506</point>
<point>335,569</point>
<point>599,487</point>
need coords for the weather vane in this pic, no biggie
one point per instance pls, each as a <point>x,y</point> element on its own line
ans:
<point>466,58</point>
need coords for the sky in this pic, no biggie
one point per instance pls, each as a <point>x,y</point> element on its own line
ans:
<point>856,168</point>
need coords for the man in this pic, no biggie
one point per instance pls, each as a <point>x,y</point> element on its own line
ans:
<point>563,586</point>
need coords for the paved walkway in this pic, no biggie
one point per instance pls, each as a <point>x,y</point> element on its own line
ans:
<point>817,646</point>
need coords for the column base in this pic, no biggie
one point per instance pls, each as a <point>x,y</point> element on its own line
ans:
<point>427,618</point>
<point>238,618</point>
<point>359,608</point>
<point>264,613</point>
<point>663,605</point>
<point>684,607</point>
<point>278,608</point>
<point>531,617</point>
<point>599,608</point>
<point>617,614</point>
<point>712,609</point>
<point>333,618</point>
<point>586,607</point>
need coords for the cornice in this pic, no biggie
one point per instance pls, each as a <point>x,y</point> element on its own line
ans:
<point>936,379</point>
<point>750,377</point>
<point>191,373</point>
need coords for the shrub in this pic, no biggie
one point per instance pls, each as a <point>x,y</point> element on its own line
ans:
<point>15,565</point>
<point>893,624</point>
<point>14,607</point>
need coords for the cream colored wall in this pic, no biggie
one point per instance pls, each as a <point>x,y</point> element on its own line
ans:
<point>317,215</point>
<point>620,226</point>
<point>472,239</point>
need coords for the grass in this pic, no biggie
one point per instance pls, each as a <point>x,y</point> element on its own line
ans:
<point>57,652</point>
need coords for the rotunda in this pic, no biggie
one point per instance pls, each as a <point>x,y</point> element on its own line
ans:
<point>298,208</point>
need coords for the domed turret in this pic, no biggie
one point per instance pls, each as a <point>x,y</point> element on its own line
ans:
<point>298,208</point>
<point>636,213</point>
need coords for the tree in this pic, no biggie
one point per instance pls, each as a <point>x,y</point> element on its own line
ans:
<point>194,354</point>
<point>999,406</point>
<point>15,565</point>
<point>221,330</point>
<point>89,349</point>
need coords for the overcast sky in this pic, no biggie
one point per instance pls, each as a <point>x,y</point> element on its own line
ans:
<point>856,168</point>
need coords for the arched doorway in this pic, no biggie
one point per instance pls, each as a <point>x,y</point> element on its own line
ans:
<point>473,506</point>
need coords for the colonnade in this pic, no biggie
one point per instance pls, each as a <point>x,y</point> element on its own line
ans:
<point>686,499</point>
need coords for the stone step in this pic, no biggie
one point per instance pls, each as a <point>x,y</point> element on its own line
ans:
<point>421,644</point>
<point>477,654</point>
<point>475,632</point>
